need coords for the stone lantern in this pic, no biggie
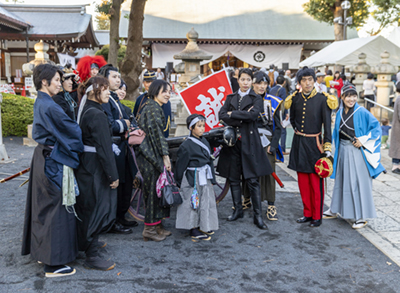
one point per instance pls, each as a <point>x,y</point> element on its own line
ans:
<point>192,55</point>
<point>384,85</point>
<point>361,71</point>
<point>41,57</point>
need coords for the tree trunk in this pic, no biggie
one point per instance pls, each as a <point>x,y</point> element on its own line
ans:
<point>115,12</point>
<point>338,28</point>
<point>132,66</point>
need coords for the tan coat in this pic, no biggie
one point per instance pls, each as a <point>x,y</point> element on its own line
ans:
<point>394,150</point>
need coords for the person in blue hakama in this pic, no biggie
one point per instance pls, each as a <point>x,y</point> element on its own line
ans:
<point>357,137</point>
<point>49,227</point>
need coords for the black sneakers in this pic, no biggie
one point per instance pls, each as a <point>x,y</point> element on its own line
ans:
<point>197,235</point>
<point>58,271</point>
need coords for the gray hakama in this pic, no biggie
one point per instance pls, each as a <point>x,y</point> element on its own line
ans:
<point>352,193</point>
<point>206,216</point>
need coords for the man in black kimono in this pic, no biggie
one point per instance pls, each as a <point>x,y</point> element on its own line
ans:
<point>247,157</point>
<point>120,124</point>
<point>309,112</point>
<point>50,227</point>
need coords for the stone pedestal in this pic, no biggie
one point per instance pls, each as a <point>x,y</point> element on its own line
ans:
<point>192,55</point>
<point>361,71</point>
<point>384,70</point>
<point>29,141</point>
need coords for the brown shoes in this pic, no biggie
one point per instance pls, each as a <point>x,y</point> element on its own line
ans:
<point>161,230</point>
<point>150,233</point>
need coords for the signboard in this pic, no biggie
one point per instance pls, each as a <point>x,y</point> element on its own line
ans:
<point>207,96</point>
<point>28,82</point>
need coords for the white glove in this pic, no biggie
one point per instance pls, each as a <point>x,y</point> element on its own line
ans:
<point>328,154</point>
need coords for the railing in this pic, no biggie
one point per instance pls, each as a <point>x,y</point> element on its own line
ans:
<point>381,107</point>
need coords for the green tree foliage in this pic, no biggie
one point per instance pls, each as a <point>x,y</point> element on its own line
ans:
<point>16,114</point>
<point>323,10</point>
<point>103,16</point>
<point>386,12</point>
<point>104,52</point>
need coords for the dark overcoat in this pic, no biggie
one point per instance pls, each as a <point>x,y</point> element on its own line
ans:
<point>254,160</point>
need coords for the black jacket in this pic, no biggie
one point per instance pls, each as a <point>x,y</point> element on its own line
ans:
<point>309,115</point>
<point>254,160</point>
<point>191,154</point>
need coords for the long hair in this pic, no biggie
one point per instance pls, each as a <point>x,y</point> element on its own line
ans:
<point>99,83</point>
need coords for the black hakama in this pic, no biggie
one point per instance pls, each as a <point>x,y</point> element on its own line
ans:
<point>96,205</point>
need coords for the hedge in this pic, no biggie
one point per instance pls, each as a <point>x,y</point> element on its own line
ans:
<point>128,103</point>
<point>16,114</point>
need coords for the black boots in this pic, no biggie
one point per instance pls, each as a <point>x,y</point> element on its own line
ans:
<point>237,202</point>
<point>254,190</point>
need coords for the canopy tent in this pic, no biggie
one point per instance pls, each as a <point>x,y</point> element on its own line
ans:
<point>346,52</point>
<point>394,36</point>
<point>260,56</point>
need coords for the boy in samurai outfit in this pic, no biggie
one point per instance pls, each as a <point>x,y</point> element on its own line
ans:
<point>309,112</point>
<point>247,157</point>
<point>270,128</point>
<point>120,123</point>
<point>194,156</point>
<point>141,102</point>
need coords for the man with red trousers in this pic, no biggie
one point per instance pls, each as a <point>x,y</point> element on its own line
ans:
<point>310,111</point>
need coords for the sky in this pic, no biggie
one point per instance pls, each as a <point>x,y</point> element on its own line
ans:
<point>90,10</point>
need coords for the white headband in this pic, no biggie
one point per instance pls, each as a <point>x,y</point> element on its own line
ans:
<point>83,102</point>
<point>195,120</point>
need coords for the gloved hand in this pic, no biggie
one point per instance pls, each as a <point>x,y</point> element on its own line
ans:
<point>328,154</point>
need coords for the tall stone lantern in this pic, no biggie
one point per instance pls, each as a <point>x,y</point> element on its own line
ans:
<point>192,55</point>
<point>384,70</point>
<point>361,71</point>
<point>41,57</point>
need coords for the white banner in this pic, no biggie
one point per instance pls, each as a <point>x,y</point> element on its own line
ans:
<point>65,59</point>
<point>260,56</point>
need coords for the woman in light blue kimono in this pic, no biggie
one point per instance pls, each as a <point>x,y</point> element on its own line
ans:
<point>357,137</point>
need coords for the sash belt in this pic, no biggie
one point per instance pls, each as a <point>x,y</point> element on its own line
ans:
<point>204,173</point>
<point>312,135</point>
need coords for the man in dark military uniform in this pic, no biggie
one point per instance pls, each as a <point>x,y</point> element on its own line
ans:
<point>141,102</point>
<point>309,112</point>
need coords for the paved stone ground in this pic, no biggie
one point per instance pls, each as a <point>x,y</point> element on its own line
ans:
<point>289,257</point>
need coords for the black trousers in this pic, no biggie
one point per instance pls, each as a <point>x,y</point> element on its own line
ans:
<point>235,174</point>
<point>124,190</point>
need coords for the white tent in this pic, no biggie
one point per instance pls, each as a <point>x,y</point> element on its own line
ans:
<point>395,36</point>
<point>346,52</point>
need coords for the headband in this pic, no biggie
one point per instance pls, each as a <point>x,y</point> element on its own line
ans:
<point>83,102</point>
<point>195,120</point>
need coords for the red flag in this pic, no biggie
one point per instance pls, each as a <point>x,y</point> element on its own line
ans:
<point>207,96</point>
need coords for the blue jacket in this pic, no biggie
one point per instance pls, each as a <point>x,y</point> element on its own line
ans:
<point>364,124</point>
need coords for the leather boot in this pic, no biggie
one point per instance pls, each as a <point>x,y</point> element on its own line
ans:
<point>254,189</point>
<point>161,230</point>
<point>237,202</point>
<point>150,233</point>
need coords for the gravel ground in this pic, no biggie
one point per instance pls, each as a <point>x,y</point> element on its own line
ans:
<point>288,257</point>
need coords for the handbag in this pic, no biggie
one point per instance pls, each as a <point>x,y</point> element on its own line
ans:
<point>135,136</point>
<point>194,199</point>
<point>170,195</point>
